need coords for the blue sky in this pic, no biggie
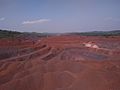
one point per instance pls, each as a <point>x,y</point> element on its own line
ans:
<point>60,15</point>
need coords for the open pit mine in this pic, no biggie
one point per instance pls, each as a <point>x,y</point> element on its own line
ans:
<point>66,62</point>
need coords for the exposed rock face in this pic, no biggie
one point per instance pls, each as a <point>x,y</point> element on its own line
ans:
<point>62,63</point>
<point>91,45</point>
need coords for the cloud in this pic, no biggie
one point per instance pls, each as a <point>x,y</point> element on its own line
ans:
<point>36,21</point>
<point>2,19</point>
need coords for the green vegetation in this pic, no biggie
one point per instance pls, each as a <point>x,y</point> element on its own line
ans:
<point>14,34</point>
<point>98,33</point>
<point>27,35</point>
<point>8,34</point>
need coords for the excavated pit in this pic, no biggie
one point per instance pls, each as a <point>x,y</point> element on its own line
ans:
<point>62,63</point>
<point>81,54</point>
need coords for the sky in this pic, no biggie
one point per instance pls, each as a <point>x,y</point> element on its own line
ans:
<point>56,16</point>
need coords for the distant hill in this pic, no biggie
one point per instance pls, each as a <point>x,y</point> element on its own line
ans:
<point>8,34</point>
<point>35,35</point>
<point>98,33</point>
<point>21,35</point>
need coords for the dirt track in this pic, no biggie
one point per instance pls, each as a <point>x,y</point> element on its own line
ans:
<point>63,63</point>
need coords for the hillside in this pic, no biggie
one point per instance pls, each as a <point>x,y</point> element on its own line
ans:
<point>12,34</point>
<point>8,34</point>
<point>98,33</point>
<point>27,35</point>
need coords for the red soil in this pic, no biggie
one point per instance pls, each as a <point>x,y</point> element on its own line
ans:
<point>62,63</point>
